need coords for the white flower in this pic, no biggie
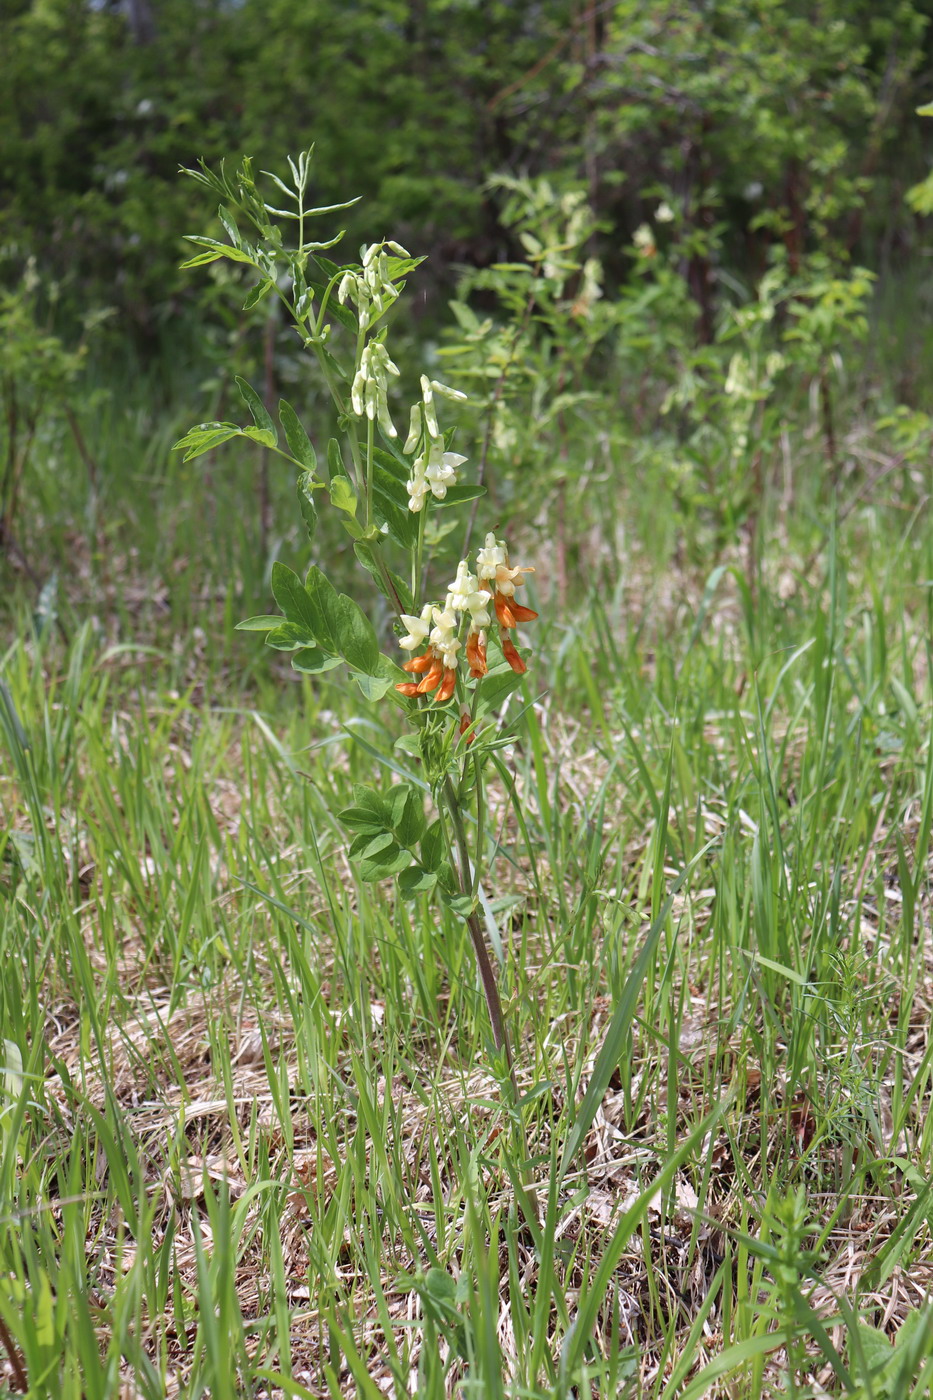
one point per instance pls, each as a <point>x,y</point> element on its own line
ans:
<point>643,239</point>
<point>664,214</point>
<point>444,638</point>
<point>414,428</point>
<point>465,595</point>
<point>371,290</point>
<point>427,398</point>
<point>436,473</point>
<point>489,558</point>
<point>455,395</point>
<point>441,469</point>
<point>418,628</point>
<point>368,395</point>
<point>417,487</point>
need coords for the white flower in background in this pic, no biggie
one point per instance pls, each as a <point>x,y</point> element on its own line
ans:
<point>368,395</point>
<point>664,214</point>
<point>643,238</point>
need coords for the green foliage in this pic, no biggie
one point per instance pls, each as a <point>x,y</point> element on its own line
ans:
<point>730,113</point>
<point>37,373</point>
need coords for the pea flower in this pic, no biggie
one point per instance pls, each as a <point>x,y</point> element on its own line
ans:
<point>492,566</point>
<point>433,469</point>
<point>369,392</point>
<point>434,472</point>
<point>371,290</point>
<point>467,596</point>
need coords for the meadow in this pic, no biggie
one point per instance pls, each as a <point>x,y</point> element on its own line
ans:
<point>254,1137</point>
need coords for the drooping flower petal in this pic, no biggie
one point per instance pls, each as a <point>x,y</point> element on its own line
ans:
<point>476,654</point>
<point>512,656</point>
<point>448,684</point>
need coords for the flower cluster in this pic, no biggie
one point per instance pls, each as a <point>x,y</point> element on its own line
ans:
<point>434,469</point>
<point>470,595</point>
<point>369,392</point>
<point>371,290</point>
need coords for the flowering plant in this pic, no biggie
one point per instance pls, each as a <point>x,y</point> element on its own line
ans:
<point>462,656</point>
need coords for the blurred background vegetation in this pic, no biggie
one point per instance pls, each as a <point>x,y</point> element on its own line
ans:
<point>721,203</point>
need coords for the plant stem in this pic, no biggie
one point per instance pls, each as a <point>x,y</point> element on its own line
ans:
<point>500,1033</point>
<point>525,1189</point>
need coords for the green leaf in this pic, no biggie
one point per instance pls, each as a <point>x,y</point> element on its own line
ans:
<point>342,494</point>
<point>373,687</point>
<point>460,904</point>
<point>372,801</point>
<point>257,294</point>
<point>410,822</point>
<point>324,601</point>
<point>260,435</point>
<point>433,846</point>
<point>617,1032</point>
<point>258,624</point>
<point>213,251</point>
<point>367,558</point>
<point>289,636</point>
<point>306,502</point>
<point>926,110</point>
<point>312,661</point>
<point>204,437</point>
<point>390,505</point>
<point>388,862</point>
<point>230,226</point>
<point>299,444</point>
<point>361,819</point>
<point>416,880</point>
<point>356,638</point>
<point>260,414</point>
<point>334,459</point>
<point>373,845</point>
<point>297,603</point>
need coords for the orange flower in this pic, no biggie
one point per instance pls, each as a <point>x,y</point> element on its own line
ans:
<point>511,655</point>
<point>476,654</point>
<point>447,686</point>
<point>419,663</point>
<point>433,678</point>
<point>437,676</point>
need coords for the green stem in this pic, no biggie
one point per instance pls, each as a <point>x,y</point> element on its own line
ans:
<point>480,818</point>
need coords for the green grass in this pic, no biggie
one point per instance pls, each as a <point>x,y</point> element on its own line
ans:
<point>250,1141</point>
